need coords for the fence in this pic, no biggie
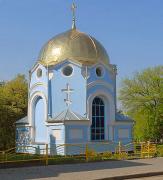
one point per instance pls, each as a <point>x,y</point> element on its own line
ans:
<point>84,154</point>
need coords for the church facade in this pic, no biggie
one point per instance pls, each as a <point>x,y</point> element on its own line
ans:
<point>72,98</point>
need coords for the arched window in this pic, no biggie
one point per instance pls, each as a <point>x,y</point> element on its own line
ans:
<point>98,116</point>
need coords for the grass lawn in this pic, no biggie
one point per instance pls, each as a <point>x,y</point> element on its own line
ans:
<point>160,150</point>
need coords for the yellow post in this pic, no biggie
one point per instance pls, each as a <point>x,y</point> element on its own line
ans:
<point>86,152</point>
<point>4,156</point>
<point>119,147</point>
<point>46,154</point>
<point>141,150</point>
<point>148,149</point>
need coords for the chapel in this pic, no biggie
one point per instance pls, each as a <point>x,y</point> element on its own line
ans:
<point>72,98</point>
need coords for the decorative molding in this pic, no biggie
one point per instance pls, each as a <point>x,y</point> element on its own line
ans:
<point>76,63</point>
<point>100,82</point>
<point>37,84</point>
<point>64,66</point>
<point>35,66</point>
<point>53,124</point>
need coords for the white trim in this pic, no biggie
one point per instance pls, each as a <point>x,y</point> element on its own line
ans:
<point>69,61</point>
<point>76,63</point>
<point>102,71</point>
<point>53,124</point>
<point>70,122</point>
<point>35,66</point>
<point>66,65</point>
<point>51,74</point>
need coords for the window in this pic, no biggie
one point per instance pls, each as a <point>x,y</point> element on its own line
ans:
<point>67,71</point>
<point>99,71</point>
<point>98,118</point>
<point>39,73</point>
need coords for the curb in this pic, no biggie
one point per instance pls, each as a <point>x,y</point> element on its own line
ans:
<point>133,176</point>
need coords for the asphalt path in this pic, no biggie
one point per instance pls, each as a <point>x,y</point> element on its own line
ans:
<point>150,178</point>
<point>86,171</point>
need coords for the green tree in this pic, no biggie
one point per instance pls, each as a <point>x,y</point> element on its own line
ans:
<point>142,99</point>
<point>13,106</point>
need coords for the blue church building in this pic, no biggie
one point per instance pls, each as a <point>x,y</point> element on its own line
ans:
<point>72,98</point>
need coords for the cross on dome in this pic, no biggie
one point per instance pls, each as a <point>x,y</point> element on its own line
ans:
<point>67,91</point>
<point>73,8</point>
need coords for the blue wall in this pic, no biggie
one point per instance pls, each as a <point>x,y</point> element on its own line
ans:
<point>123,140</point>
<point>76,82</point>
<point>84,128</point>
<point>107,77</point>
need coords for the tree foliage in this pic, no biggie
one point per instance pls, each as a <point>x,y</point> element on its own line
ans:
<point>13,106</point>
<point>142,99</point>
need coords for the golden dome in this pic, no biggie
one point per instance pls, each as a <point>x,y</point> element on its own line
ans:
<point>74,45</point>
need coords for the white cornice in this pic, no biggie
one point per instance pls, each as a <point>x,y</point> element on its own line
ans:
<point>62,62</point>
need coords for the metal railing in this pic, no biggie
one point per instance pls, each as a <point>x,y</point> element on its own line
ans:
<point>81,152</point>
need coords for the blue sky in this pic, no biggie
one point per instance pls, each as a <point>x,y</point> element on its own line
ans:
<point>130,30</point>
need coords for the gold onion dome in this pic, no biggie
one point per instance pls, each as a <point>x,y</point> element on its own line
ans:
<point>73,45</point>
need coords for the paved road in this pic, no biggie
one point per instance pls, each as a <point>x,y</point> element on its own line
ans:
<point>85,171</point>
<point>149,178</point>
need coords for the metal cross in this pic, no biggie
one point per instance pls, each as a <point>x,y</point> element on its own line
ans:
<point>67,91</point>
<point>73,7</point>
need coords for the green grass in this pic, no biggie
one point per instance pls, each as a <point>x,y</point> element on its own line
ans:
<point>17,157</point>
<point>160,150</point>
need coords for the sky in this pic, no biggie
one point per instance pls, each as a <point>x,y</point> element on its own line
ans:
<point>130,30</point>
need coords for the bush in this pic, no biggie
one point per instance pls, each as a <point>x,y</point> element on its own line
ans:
<point>160,150</point>
<point>120,156</point>
<point>106,155</point>
<point>92,155</point>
